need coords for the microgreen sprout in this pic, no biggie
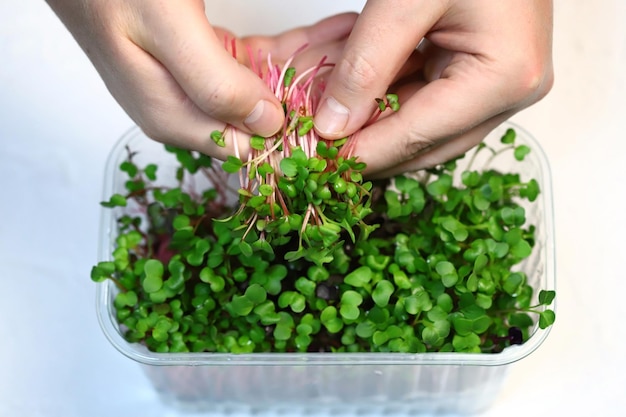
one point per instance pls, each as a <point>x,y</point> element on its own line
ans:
<point>295,184</point>
<point>313,258</point>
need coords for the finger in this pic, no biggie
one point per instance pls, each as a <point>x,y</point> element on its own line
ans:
<point>443,152</point>
<point>380,43</point>
<point>160,107</point>
<point>438,112</point>
<point>282,46</point>
<point>181,38</point>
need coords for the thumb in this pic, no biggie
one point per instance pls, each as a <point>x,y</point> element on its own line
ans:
<point>380,43</point>
<point>184,42</point>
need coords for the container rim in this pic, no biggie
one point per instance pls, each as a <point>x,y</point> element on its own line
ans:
<point>139,353</point>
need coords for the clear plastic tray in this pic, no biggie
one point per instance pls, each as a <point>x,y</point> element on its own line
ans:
<point>330,382</point>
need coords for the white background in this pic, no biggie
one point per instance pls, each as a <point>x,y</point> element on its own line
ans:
<point>58,122</point>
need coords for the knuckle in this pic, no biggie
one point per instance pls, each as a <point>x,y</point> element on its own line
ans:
<point>415,147</point>
<point>534,81</point>
<point>157,123</point>
<point>415,143</point>
<point>219,98</point>
<point>359,72</point>
<point>159,132</point>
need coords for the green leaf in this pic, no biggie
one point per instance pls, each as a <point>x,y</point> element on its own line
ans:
<point>349,312</point>
<point>546,297</point>
<point>521,320</point>
<point>411,304</point>
<point>445,302</point>
<point>282,332</point>
<point>160,330</point>
<point>401,279</point>
<point>150,170</point>
<point>330,320</point>
<point>209,276</point>
<point>520,152</point>
<point>255,293</point>
<point>218,138</point>
<point>365,329</point>
<point>240,306</point>
<point>180,222</point>
<point>321,149</point>
<point>176,281</point>
<point>378,315</point>
<point>328,313</point>
<point>391,99</point>
<point>382,106</point>
<point>246,249</point>
<point>257,142</point>
<point>513,282</point>
<point>267,311</point>
<point>531,190</point>
<point>472,282</point>
<point>266,189</point>
<point>126,299</point>
<point>294,300</point>
<point>116,200</point>
<point>440,186</point>
<point>462,326</point>
<point>102,271</point>
<point>359,277</point>
<point>448,273</point>
<point>500,249</point>
<point>382,293</point>
<point>481,324</point>
<point>304,328</point>
<point>232,164</point>
<point>546,319</point>
<point>430,336</point>
<point>263,245</point>
<point>465,343</point>
<point>437,314</point>
<point>265,169</point>
<point>509,137</point>
<point>129,168</point>
<point>153,281</point>
<point>470,178</point>
<point>521,249</point>
<point>289,74</point>
<point>513,216</point>
<point>458,230</point>
<point>306,124</point>
<point>480,263</point>
<point>380,338</point>
<point>289,167</point>
<point>305,286</point>
<point>484,301</point>
<point>480,202</point>
<point>352,298</point>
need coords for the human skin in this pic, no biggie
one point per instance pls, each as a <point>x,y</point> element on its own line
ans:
<point>175,75</point>
<point>480,62</point>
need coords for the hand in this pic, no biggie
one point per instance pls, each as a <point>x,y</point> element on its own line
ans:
<point>480,62</point>
<point>173,73</point>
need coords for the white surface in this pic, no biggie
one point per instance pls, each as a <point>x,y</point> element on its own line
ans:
<point>58,122</point>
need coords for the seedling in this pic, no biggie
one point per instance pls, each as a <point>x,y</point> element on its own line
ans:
<point>310,257</point>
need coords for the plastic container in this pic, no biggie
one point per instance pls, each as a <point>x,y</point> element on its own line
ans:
<point>331,382</point>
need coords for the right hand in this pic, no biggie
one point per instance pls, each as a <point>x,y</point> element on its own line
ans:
<point>170,71</point>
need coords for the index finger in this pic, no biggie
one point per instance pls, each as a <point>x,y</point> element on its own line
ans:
<point>183,41</point>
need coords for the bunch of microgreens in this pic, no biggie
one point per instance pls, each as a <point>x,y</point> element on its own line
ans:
<point>313,258</point>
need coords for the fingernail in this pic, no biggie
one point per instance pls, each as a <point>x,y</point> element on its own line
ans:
<point>264,119</point>
<point>331,117</point>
